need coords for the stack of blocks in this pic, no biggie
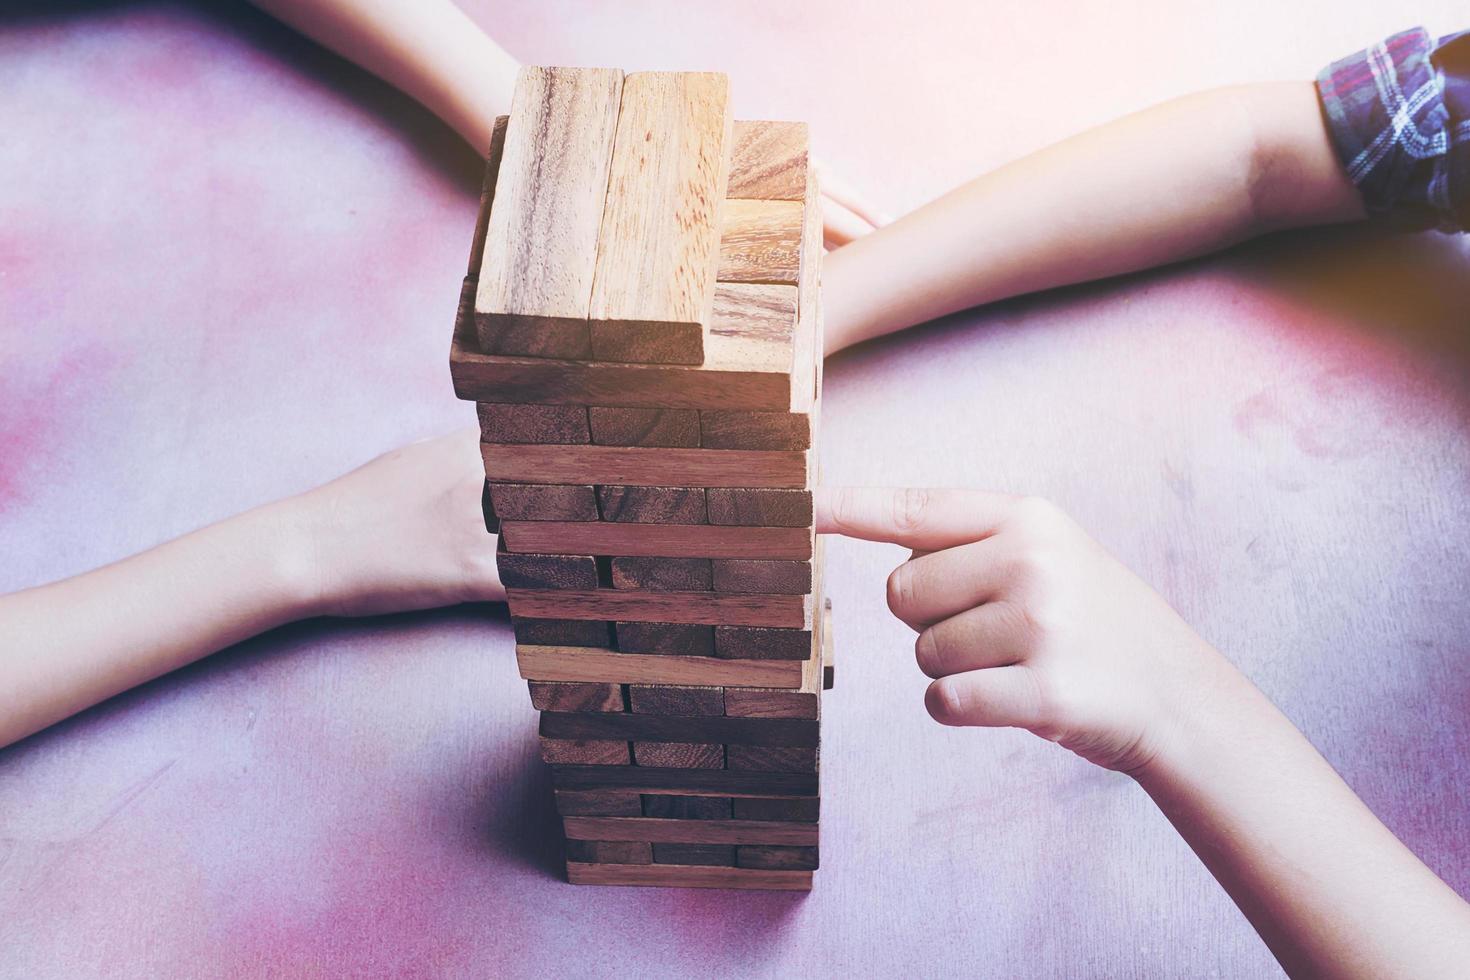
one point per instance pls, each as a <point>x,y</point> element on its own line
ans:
<point>641,330</point>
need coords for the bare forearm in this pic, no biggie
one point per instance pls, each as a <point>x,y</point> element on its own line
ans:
<point>430,49</point>
<point>1180,179</point>
<point>1328,887</point>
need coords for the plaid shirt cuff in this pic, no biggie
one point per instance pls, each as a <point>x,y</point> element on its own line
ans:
<point>1399,116</point>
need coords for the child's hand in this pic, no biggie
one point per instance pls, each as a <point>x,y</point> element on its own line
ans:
<point>1025,621</point>
<point>403,532</point>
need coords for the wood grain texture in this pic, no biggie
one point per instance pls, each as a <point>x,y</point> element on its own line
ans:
<point>753,430</point>
<point>679,755</point>
<point>522,424</point>
<point>687,876</point>
<point>666,699</point>
<point>542,501</point>
<point>761,242</point>
<point>667,427</point>
<point>743,702</point>
<point>806,345</point>
<point>675,608</point>
<point>609,852</point>
<point>756,575</point>
<point>771,857</point>
<point>490,178</point>
<point>588,663</point>
<point>691,831</point>
<point>768,161</point>
<point>663,574</point>
<point>760,508</point>
<point>765,732</point>
<point>805,809</point>
<point>644,466</point>
<point>487,510</point>
<point>538,267</point>
<point>523,571</point>
<point>561,633</point>
<point>601,803</point>
<point>771,758</point>
<point>585,751</point>
<point>712,782</point>
<point>653,292</point>
<point>665,639</point>
<point>683,807</point>
<point>657,540</point>
<point>762,643</point>
<point>652,505</point>
<point>713,855</point>
<point>561,696</point>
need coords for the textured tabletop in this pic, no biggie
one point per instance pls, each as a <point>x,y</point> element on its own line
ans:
<point>228,265</point>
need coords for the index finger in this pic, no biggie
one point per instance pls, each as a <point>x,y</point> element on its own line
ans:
<point>924,520</point>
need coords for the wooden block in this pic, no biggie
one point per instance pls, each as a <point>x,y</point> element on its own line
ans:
<point>523,424</point>
<point>656,540</point>
<point>829,666</point>
<point>687,876</point>
<point>748,702</point>
<point>734,732</point>
<point>644,466</point>
<point>806,347</point>
<point>658,831</point>
<point>770,758</point>
<point>541,502</point>
<point>804,809</point>
<point>762,643</point>
<point>585,751</point>
<point>668,699</point>
<point>652,505</point>
<point>760,508</point>
<point>685,782</point>
<point>563,696</point>
<point>493,156</point>
<point>609,851</point>
<point>756,575</point>
<point>751,430</point>
<point>714,855</point>
<point>537,272</point>
<point>684,807</point>
<point>768,161</point>
<point>601,803</point>
<point>663,574</point>
<point>556,662</point>
<point>561,633</point>
<point>673,608</point>
<point>679,755</point>
<point>771,857</point>
<point>668,427</point>
<point>524,571</point>
<point>487,508</point>
<point>653,292</point>
<point>672,639</point>
<point>761,242</point>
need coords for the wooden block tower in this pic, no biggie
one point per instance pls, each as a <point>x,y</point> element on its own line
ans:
<point>641,330</point>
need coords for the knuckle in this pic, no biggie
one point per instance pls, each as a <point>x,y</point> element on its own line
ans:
<point>910,507</point>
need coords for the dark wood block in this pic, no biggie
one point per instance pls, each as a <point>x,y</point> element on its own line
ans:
<point>562,696</point>
<point>772,857</point>
<point>601,803</point>
<point>610,851</point>
<point>801,809</point>
<point>666,699</point>
<point>561,632</point>
<point>674,608</point>
<point>782,732</point>
<point>679,755</point>
<point>764,576</point>
<point>671,427</point>
<point>563,425</point>
<point>680,639</point>
<point>543,502</point>
<point>754,430</point>
<point>760,508</point>
<point>687,876</point>
<point>715,855</point>
<point>652,505</point>
<point>718,782</point>
<point>585,752</point>
<point>685,807</point>
<point>658,831</point>
<point>759,702</point>
<point>771,758</point>
<point>526,571</point>
<point>663,574</point>
<point>657,540</point>
<point>487,508</point>
<point>762,643</point>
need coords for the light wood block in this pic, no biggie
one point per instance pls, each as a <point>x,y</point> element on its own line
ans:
<point>761,242</point>
<point>493,156</point>
<point>667,427</point>
<point>537,271</point>
<point>687,876</point>
<point>678,608</point>
<point>659,242</point>
<point>644,466</point>
<point>657,540</point>
<point>691,831</point>
<point>768,161</point>
<point>578,663</point>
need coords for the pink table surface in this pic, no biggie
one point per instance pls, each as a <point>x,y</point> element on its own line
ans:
<point>228,263</point>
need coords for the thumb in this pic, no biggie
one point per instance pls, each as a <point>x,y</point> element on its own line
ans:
<point>923,520</point>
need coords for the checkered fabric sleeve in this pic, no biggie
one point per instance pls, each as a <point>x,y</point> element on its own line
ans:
<point>1399,116</point>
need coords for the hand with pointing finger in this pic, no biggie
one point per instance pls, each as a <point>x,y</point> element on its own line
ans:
<point>1025,621</point>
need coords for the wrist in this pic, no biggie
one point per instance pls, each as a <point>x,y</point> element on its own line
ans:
<point>289,533</point>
